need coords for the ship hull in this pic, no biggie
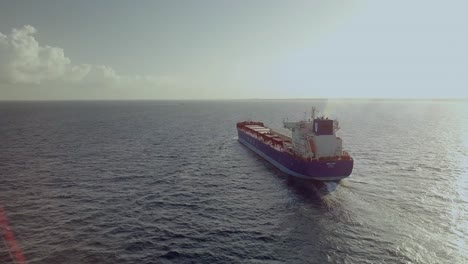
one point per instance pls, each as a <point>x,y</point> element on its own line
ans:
<point>331,170</point>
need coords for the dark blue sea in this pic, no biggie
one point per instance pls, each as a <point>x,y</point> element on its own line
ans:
<point>168,182</point>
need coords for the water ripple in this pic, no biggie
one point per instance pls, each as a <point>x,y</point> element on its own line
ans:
<point>158,182</point>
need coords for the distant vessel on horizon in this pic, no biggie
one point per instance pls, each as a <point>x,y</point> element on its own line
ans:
<point>313,152</point>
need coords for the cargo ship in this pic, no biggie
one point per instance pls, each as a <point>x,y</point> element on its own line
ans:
<point>313,151</point>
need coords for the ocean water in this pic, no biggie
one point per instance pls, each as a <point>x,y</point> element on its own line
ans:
<point>168,182</point>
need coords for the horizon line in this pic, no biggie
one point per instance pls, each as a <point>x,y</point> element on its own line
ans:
<point>252,99</point>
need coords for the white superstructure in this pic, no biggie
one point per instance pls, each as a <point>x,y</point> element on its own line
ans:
<point>316,137</point>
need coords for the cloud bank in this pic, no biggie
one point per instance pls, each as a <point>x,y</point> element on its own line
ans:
<point>24,61</point>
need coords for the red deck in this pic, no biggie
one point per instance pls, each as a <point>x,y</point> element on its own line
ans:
<point>258,129</point>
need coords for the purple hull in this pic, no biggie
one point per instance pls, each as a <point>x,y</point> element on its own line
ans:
<point>332,170</point>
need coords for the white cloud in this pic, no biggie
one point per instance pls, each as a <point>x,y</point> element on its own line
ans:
<point>99,74</point>
<point>24,61</point>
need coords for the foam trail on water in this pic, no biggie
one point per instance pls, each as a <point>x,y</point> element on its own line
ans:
<point>331,186</point>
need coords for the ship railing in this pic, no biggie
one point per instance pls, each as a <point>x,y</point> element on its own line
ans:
<point>246,123</point>
<point>315,159</point>
<point>264,138</point>
<point>345,156</point>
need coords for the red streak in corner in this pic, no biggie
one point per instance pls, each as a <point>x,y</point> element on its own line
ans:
<point>13,247</point>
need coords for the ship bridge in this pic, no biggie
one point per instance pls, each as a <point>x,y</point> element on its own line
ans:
<point>315,138</point>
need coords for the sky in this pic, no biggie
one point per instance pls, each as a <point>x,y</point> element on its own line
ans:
<point>237,49</point>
